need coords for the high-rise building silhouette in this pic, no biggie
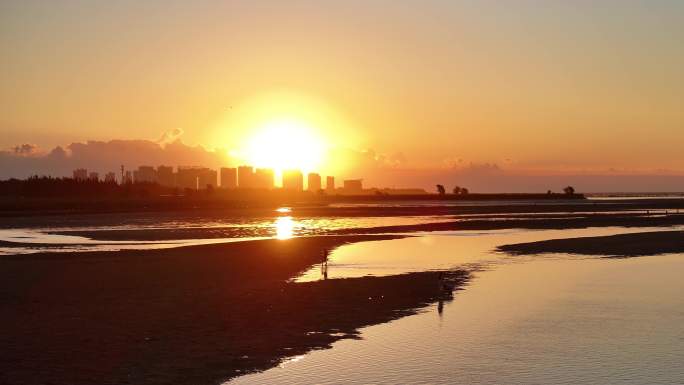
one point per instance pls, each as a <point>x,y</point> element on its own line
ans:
<point>186,177</point>
<point>110,177</point>
<point>330,183</point>
<point>206,177</point>
<point>313,182</point>
<point>166,176</point>
<point>80,174</point>
<point>293,180</point>
<point>94,176</point>
<point>128,178</point>
<point>263,178</point>
<point>245,177</point>
<point>145,174</point>
<point>229,177</point>
<point>195,177</point>
<point>353,186</point>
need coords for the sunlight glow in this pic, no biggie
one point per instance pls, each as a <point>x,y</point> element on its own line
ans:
<point>283,129</point>
<point>284,227</point>
<point>285,144</point>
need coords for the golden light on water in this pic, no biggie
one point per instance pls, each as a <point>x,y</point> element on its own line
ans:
<point>284,227</point>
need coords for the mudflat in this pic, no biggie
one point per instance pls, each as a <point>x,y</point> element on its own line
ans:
<point>188,315</point>
<point>622,245</point>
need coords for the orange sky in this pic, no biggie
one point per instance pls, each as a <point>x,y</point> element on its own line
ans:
<point>530,85</point>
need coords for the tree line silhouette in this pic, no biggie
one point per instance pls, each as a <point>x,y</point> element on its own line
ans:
<point>46,186</point>
<point>51,187</point>
<point>458,190</point>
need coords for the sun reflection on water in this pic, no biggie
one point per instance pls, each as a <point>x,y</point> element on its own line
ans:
<point>284,227</point>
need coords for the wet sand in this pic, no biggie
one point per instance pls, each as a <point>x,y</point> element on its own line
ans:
<point>189,315</point>
<point>622,245</point>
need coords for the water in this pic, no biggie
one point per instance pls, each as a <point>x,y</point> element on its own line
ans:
<point>441,251</point>
<point>29,241</point>
<point>142,231</point>
<point>553,319</point>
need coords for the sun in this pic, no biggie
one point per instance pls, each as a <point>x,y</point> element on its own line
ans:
<point>285,144</point>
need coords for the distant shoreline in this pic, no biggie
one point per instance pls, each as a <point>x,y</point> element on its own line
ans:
<point>27,205</point>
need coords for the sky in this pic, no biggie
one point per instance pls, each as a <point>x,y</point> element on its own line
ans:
<point>528,87</point>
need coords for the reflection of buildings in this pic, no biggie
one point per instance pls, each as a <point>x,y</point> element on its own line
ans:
<point>80,174</point>
<point>229,177</point>
<point>293,180</point>
<point>313,182</point>
<point>330,184</point>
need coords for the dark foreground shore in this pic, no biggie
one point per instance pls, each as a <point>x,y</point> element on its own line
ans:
<point>622,245</point>
<point>190,315</point>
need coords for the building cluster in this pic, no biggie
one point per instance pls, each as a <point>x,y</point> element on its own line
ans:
<point>243,177</point>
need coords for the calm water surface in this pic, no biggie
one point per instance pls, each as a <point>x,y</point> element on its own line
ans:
<point>442,250</point>
<point>553,319</point>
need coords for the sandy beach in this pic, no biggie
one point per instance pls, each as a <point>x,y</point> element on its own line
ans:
<point>199,315</point>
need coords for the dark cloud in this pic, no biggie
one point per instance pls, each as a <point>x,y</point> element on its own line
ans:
<point>103,156</point>
<point>25,149</point>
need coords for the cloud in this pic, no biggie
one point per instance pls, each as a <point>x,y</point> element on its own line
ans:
<point>478,169</point>
<point>170,136</point>
<point>103,156</point>
<point>25,149</point>
<point>377,170</point>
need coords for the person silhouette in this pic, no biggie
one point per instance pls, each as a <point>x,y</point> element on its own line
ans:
<point>324,256</point>
<point>324,263</point>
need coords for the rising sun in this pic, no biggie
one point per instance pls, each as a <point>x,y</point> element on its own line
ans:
<point>285,144</point>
